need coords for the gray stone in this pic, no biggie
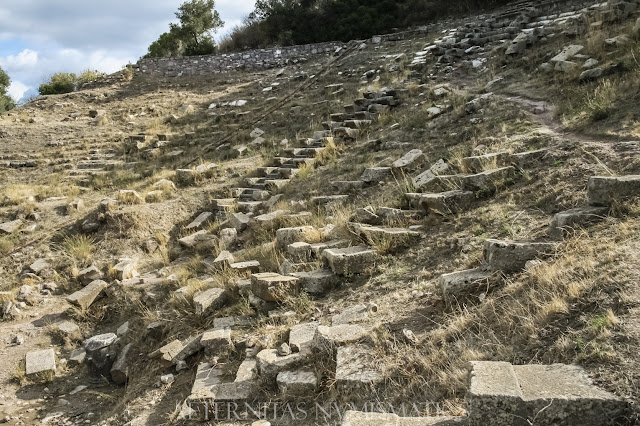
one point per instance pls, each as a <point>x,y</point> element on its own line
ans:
<point>89,274</point>
<point>604,190</point>
<point>511,256</point>
<point>299,251</point>
<point>350,260</point>
<point>410,161</point>
<point>490,180</point>
<point>168,353</point>
<point>216,340</point>
<point>317,282</point>
<point>39,265</point>
<point>301,336</point>
<point>248,371</point>
<point>210,299</point>
<point>591,74</point>
<point>99,341</point>
<point>86,296</point>
<point>284,350</point>
<point>368,215</point>
<point>567,53</point>
<point>69,329</point>
<point>239,221</point>
<point>38,362</point>
<point>327,338</point>
<point>228,237</point>
<point>461,281</point>
<point>10,227</point>
<point>353,314</point>
<point>393,238</point>
<point>445,203</point>
<point>370,418</point>
<point>120,368</point>
<point>502,394</point>
<point>356,368</point>
<point>565,66</point>
<point>270,363</point>
<point>566,221</point>
<point>374,175</point>
<point>223,260</point>
<point>286,236</point>
<point>250,266</point>
<point>298,383</point>
<point>77,356</point>
<point>528,158</point>
<point>123,329</point>
<point>274,287</point>
<point>199,221</point>
<point>125,269</point>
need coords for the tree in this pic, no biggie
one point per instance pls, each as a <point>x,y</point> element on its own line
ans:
<point>6,103</point>
<point>193,35</point>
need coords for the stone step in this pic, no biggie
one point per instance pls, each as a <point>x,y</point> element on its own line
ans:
<point>605,190</point>
<point>350,260</point>
<point>348,186</point>
<point>512,256</point>
<point>357,124</point>
<point>275,184</point>
<point>444,203</point>
<point>455,283</point>
<point>480,163</point>
<point>317,282</point>
<point>501,393</point>
<point>199,221</point>
<point>331,125</point>
<point>346,133</point>
<point>489,181</point>
<point>325,200</point>
<point>568,220</point>
<point>249,206</point>
<point>391,238</point>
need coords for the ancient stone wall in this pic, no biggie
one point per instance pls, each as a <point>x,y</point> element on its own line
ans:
<point>254,59</point>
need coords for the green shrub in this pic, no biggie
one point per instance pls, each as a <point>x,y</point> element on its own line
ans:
<point>66,82</point>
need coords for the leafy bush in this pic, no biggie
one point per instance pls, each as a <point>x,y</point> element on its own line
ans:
<point>6,103</point>
<point>66,82</point>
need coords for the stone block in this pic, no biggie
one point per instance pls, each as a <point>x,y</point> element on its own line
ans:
<point>356,368</point>
<point>511,256</point>
<point>40,362</point>
<point>604,190</point>
<point>350,260</point>
<point>317,282</point>
<point>86,296</point>
<point>210,299</point>
<point>566,221</point>
<point>298,383</point>
<point>274,287</point>
<point>460,281</point>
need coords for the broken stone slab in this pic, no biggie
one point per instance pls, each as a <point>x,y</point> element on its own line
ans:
<point>190,346</point>
<point>190,241</point>
<point>503,394</point>
<point>356,368</point>
<point>444,203</point>
<point>168,352</point>
<point>89,274</point>
<point>605,190</point>
<point>564,222</point>
<point>317,282</point>
<point>390,214</point>
<point>248,371</point>
<point>10,227</point>
<point>216,340</point>
<point>591,74</point>
<point>512,256</point>
<point>350,260</point>
<point>40,362</point>
<point>239,221</point>
<point>39,265</point>
<point>327,338</point>
<point>490,180</point>
<point>274,287</point>
<point>367,215</point>
<point>86,296</point>
<point>374,175</point>
<point>288,267</point>
<point>319,248</point>
<point>412,160</point>
<point>125,269</point>
<point>477,164</point>
<point>301,336</point>
<point>248,267</point>
<point>270,363</point>
<point>223,260</point>
<point>438,168</point>
<point>458,282</point>
<point>299,383</point>
<point>286,236</point>
<point>208,300</point>
<point>99,341</point>
<point>199,221</point>
<point>269,219</point>
<point>440,183</point>
<point>120,368</point>
<point>207,376</point>
<point>567,53</point>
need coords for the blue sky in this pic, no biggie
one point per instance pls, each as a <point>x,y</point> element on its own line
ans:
<point>42,37</point>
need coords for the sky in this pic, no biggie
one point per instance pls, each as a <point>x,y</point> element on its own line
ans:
<point>41,37</point>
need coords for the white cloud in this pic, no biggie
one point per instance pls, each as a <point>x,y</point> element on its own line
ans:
<point>25,58</point>
<point>17,90</point>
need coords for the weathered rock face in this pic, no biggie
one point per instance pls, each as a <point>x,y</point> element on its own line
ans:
<point>604,190</point>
